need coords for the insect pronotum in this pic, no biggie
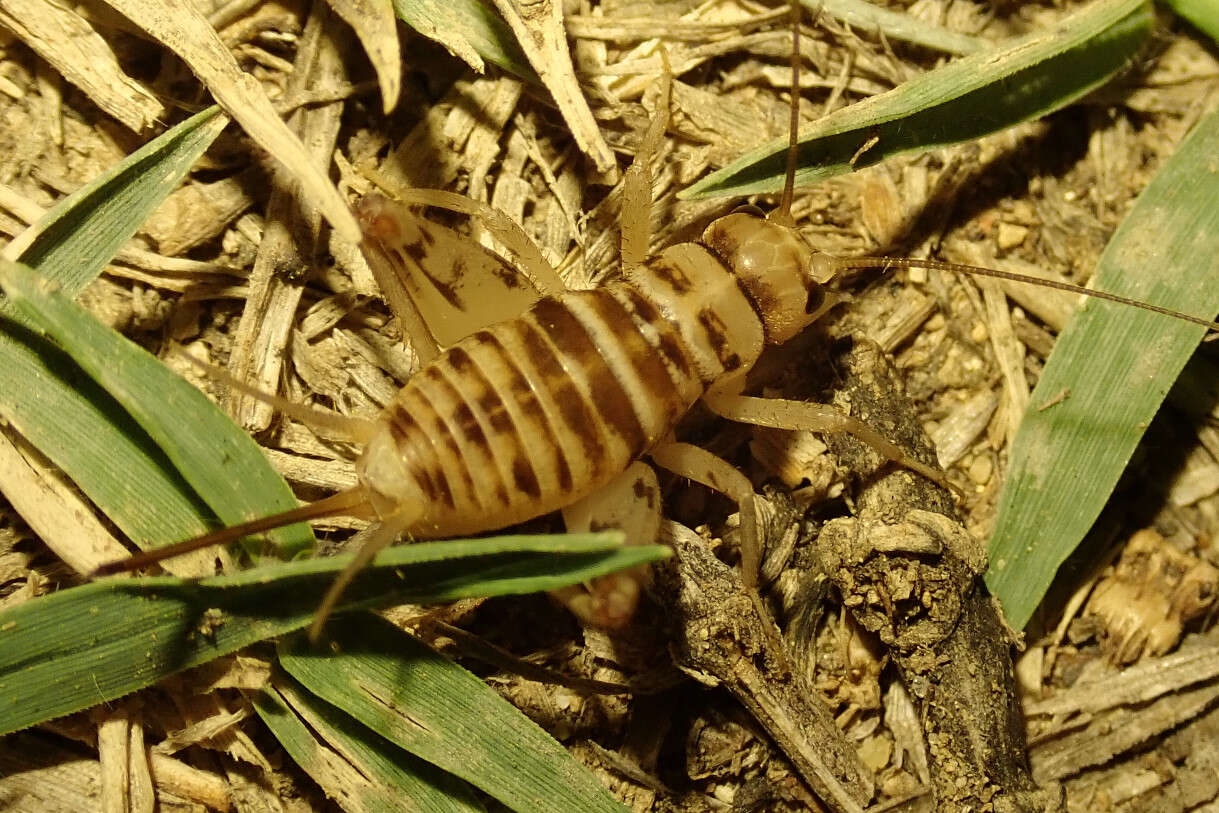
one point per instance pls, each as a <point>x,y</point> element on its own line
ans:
<point>532,414</point>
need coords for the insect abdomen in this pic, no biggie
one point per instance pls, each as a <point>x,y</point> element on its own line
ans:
<point>534,413</point>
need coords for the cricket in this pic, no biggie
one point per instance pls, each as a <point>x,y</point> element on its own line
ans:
<point>555,407</point>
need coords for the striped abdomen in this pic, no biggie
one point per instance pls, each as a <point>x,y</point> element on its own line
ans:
<point>532,414</point>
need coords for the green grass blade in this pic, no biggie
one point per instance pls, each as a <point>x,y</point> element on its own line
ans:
<point>1116,364</point>
<point>459,25</point>
<point>45,395</point>
<point>357,768</point>
<point>71,420</point>
<point>82,232</point>
<point>1203,14</point>
<point>223,465</point>
<point>438,711</point>
<point>86,645</point>
<point>965,99</point>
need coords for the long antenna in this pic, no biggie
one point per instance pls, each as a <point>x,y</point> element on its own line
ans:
<point>886,263</point>
<point>783,214</point>
<point>345,502</point>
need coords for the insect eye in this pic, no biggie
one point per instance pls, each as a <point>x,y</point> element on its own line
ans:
<point>749,209</point>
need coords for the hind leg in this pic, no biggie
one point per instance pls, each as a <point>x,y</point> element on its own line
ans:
<point>717,474</point>
<point>631,503</point>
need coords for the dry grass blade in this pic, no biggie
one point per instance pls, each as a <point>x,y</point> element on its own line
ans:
<point>72,46</point>
<point>55,511</point>
<point>182,28</point>
<point>373,22</point>
<point>539,29</point>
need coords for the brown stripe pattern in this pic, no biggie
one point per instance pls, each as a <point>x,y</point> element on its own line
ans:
<point>532,414</point>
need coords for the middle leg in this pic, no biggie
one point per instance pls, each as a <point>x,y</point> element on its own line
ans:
<point>717,474</point>
<point>779,413</point>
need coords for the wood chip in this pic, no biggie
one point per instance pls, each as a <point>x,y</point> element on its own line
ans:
<point>289,237</point>
<point>1009,353</point>
<point>332,475</point>
<point>191,783</point>
<point>112,741</point>
<point>71,45</point>
<point>538,27</point>
<point>1117,732</point>
<point>183,29</point>
<point>377,28</point>
<point>198,212</point>
<point>43,775</point>
<point>1146,680</point>
<point>963,426</point>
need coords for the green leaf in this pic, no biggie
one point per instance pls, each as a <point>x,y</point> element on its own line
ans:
<point>223,465</point>
<point>438,711</point>
<point>82,232</point>
<point>1115,365</point>
<point>64,414</point>
<point>86,645</point>
<point>463,26</point>
<point>357,767</point>
<point>1203,14</point>
<point>84,432</point>
<point>965,99</point>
